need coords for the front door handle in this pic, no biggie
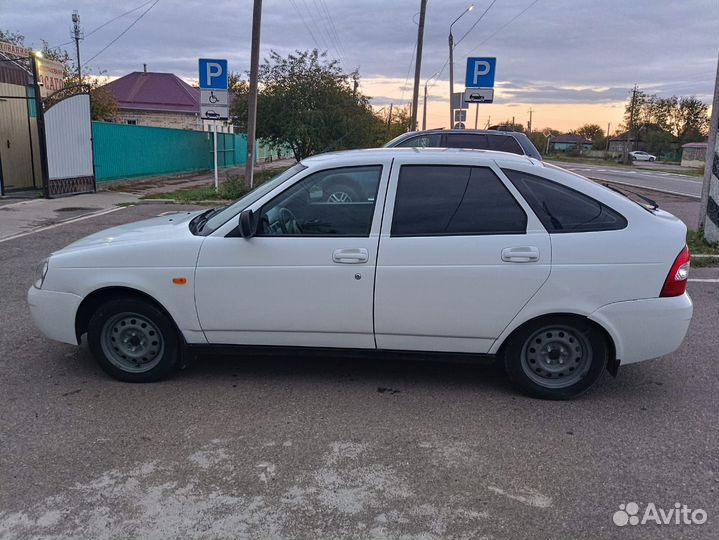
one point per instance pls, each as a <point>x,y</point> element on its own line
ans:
<point>523,254</point>
<point>350,256</point>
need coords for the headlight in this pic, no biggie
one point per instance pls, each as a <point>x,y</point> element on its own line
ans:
<point>40,273</point>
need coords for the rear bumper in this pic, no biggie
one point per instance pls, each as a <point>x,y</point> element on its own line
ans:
<point>645,329</point>
<point>54,313</point>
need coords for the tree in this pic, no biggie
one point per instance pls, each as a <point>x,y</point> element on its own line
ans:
<point>307,103</point>
<point>594,133</point>
<point>691,120</point>
<point>102,103</point>
<point>686,118</point>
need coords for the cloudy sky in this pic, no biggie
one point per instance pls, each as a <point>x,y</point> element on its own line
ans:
<point>571,61</point>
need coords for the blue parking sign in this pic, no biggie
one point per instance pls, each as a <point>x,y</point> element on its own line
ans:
<point>480,72</point>
<point>213,74</point>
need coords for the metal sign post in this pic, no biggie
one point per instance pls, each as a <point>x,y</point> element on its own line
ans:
<point>213,98</point>
<point>214,144</point>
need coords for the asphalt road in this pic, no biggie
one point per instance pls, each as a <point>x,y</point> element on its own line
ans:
<point>666,181</point>
<point>330,448</point>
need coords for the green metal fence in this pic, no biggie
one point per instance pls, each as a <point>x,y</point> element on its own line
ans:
<point>125,151</point>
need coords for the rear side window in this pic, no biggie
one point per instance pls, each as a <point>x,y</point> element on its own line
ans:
<point>435,200</point>
<point>467,140</point>
<point>562,209</point>
<point>429,140</point>
<point>505,143</point>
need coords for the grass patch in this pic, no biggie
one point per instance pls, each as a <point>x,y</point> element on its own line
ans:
<point>232,188</point>
<point>585,160</point>
<point>697,244</point>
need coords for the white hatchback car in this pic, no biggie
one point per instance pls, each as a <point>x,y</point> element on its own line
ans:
<point>468,252</point>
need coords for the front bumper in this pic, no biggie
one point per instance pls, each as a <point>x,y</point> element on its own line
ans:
<point>645,329</point>
<point>54,313</point>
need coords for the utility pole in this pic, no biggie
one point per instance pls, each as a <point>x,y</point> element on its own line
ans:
<point>389,116</point>
<point>424,108</point>
<point>252,98</point>
<point>709,211</point>
<point>451,65</point>
<point>476,115</point>
<point>609,124</point>
<point>630,128</point>
<point>529,126</point>
<point>77,36</point>
<point>451,78</point>
<point>418,63</point>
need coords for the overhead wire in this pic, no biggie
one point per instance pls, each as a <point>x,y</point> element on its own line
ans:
<point>125,31</point>
<point>103,25</point>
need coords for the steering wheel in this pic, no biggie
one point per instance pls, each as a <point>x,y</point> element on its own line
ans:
<point>288,222</point>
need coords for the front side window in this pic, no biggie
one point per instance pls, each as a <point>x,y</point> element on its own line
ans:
<point>333,202</point>
<point>434,200</point>
<point>467,140</point>
<point>562,209</point>
<point>429,140</point>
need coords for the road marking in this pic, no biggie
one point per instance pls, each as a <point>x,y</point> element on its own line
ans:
<point>705,280</point>
<point>653,188</point>
<point>66,222</point>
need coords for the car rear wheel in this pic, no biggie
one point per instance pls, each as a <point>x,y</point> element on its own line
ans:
<point>133,340</point>
<point>556,357</point>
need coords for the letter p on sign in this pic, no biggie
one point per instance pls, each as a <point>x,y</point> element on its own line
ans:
<point>213,74</point>
<point>480,72</point>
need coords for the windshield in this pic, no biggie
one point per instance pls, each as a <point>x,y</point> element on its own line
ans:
<point>223,215</point>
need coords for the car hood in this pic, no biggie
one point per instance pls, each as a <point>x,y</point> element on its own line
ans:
<point>168,227</point>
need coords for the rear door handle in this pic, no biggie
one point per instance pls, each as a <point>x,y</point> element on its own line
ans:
<point>523,254</point>
<point>350,256</point>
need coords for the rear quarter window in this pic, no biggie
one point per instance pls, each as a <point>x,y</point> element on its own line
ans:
<point>562,209</point>
<point>505,143</point>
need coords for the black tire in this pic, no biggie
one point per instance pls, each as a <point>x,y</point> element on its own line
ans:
<point>582,353</point>
<point>349,191</point>
<point>651,159</point>
<point>160,329</point>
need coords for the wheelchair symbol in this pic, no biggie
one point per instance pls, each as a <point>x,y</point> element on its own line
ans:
<point>213,98</point>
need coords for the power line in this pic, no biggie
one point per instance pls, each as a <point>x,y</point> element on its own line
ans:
<point>304,22</point>
<point>333,28</point>
<point>504,26</point>
<point>409,69</point>
<point>103,25</point>
<point>125,31</point>
<point>322,19</point>
<point>475,23</point>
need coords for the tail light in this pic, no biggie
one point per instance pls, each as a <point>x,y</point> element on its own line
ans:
<point>676,282</point>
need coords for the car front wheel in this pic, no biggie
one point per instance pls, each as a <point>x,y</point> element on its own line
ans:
<point>133,340</point>
<point>556,357</point>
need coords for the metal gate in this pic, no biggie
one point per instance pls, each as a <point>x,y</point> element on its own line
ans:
<point>68,136</point>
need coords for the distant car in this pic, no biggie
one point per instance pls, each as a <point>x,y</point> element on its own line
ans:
<point>641,156</point>
<point>501,141</point>
<point>455,251</point>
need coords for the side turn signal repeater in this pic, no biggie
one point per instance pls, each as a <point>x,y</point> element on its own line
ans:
<point>179,280</point>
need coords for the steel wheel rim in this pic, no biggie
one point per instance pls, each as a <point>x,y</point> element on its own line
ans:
<point>132,342</point>
<point>339,197</point>
<point>556,356</point>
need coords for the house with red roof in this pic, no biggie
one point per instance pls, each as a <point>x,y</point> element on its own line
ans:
<point>156,99</point>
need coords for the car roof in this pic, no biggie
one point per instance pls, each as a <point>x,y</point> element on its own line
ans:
<point>463,131</point>
<point>442,154</point>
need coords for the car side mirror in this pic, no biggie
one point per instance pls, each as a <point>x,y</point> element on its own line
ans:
<point>247,225</point>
